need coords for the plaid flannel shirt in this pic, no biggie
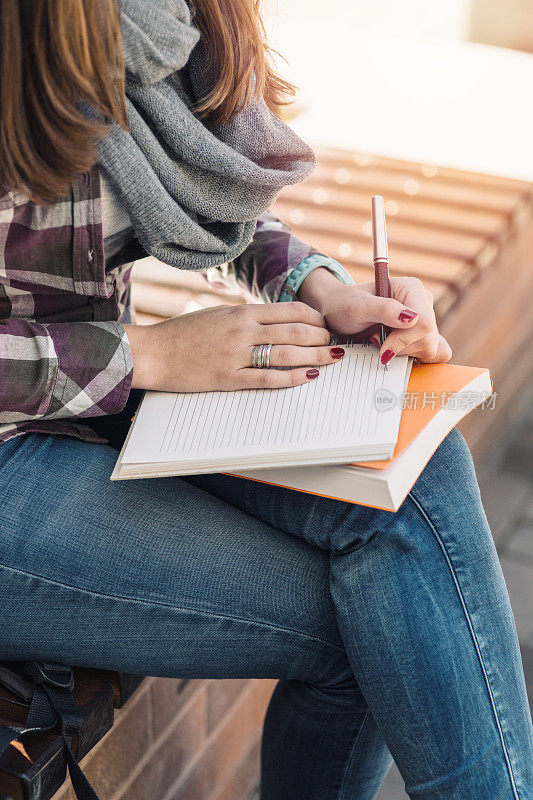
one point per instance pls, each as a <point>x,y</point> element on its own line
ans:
<point>64,354</point>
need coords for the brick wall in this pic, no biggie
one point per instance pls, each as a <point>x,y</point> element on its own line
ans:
<point>181,740</point>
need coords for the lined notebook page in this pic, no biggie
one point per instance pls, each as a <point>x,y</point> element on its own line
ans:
<point>337,409</point>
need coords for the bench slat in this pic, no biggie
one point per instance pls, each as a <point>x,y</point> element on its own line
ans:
<point>438,215</point>
<point>401,234</point>
<point>400,184</point>
<point>339,156</point>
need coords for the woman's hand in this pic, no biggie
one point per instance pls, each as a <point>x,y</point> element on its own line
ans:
<point>211,350</point>
<point>409,314</point>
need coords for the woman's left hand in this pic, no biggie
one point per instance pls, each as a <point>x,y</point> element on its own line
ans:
<point>408,313</point>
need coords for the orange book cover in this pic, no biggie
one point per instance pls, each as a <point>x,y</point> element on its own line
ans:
<point>428,388</point>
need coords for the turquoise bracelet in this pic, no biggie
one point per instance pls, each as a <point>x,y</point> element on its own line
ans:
<point>297,276</point>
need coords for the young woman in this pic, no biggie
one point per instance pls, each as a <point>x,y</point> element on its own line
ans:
<point>391,634</point>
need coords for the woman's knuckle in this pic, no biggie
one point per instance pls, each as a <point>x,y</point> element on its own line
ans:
<point>293,378</point>
<point>266,378</point>
<point>246,314</point>
<point>226,355</point>
<point>236,332</point>
<point>426,326</point>
<point>423,349</point>
<point>239,318</point>
<point>298,332</point>
<point>283,354</point>
<point>238,313</point>
<point>235,381</point>
<point>429,348</point>
<point>400,343</point>
<point>298,309</point>
<point>223,376</point>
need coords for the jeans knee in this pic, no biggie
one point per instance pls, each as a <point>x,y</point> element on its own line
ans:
<point>446,495</point>
<point>450,472</point>
<point>447,503</point>
<point>447,488</point>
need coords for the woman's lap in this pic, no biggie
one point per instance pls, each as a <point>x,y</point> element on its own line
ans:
<point>160,578</point>
<point>155,577</point>
<point>233,578</point>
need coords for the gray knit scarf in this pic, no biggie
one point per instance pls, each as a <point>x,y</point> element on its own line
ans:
<point>193,193</point>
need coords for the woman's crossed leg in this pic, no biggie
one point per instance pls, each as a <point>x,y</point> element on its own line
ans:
<point>424,615</point>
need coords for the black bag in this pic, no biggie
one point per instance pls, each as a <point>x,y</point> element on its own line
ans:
<point>47,688</point>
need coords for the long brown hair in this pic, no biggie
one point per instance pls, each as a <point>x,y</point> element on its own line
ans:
<point>240,59</point>
<point>55,53</point>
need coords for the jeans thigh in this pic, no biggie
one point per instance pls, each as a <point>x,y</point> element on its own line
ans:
<point>153,576</point>
<point>448,484</point>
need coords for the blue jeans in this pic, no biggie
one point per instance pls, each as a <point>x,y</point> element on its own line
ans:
<point>390,633</point>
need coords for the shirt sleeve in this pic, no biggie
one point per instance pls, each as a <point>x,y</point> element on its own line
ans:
<point>63,369</point>
<point>274,264</point>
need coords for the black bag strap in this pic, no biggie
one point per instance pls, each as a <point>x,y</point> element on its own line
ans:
<point>52,702</point>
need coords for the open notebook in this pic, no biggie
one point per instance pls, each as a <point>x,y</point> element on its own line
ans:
<point>308,438</point>
<point>336,418</point>
<point>438,396</point>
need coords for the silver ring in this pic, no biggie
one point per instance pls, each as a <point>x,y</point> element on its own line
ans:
<point>261,356</point>
<point>256,356</point>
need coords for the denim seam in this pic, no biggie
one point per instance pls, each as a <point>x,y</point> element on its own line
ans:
<point>134,600</point>
<point>432,527</point>
<point>455,773</point>
<point>352,751</point>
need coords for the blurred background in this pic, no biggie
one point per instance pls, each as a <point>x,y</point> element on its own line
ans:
<point>506,24</point>
<point>417,79</point>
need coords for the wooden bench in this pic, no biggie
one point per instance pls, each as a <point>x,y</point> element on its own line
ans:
<point>468,236</point>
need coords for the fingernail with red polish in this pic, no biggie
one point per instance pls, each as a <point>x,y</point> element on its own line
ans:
<point>375,340</point>
<point>312,374</point>
<point>386,357</point>
<point>337,352</point>
<point>407,315</point>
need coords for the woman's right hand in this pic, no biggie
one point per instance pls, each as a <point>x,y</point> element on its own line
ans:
<point>211,350</point>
